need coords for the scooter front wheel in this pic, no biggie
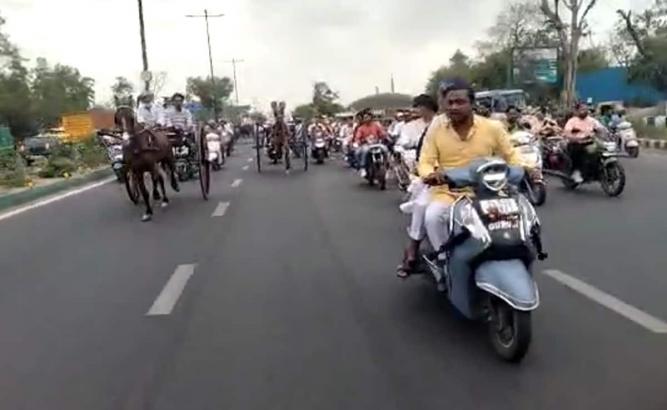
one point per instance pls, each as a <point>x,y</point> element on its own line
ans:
<point>510,331</point>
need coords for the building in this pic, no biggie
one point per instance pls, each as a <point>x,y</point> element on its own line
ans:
<point>611,84</point>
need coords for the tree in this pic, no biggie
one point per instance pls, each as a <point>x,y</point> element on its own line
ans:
<point>15,103</point>
<point>123,92</point>
<point>58,90</point>
<point>646,35</point>
<point>158,82</point>
<point>592,59</point>
<point>569,36</point>
<point>211,94</point>
<point>325,99</point>
<point>459,67</point>
<point>520,24</point>
<point>305,111</point>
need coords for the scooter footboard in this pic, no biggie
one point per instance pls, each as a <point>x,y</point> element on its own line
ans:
<point>510,281</point>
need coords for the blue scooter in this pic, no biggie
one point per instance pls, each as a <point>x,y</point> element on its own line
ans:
<point>485,266</point>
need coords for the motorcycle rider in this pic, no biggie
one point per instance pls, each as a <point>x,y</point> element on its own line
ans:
<point>453,144</point>
<point>577,131</point>
<point>368,132</point>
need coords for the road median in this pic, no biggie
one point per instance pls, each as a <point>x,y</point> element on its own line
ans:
<point>653,143</point>
<point>25,195</point>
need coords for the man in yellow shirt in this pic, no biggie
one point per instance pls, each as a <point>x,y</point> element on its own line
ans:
<point>455,143</point>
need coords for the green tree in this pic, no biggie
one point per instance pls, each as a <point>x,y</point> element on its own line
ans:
<point>58,90</point>
<point>210,94</point>
<point>305,111</point>
<point>592,59</point>
<point>646,32</point>
<point>325,100</point>
<point>459,66</point>
<point>15,102</point>
<point>122,91</point>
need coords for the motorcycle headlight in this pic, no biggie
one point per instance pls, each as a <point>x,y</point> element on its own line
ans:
<point>47,146</point>
<point>610,146</point>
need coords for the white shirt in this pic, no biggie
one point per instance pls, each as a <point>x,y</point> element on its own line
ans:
<point>411,133</point>
<point>395,128</point>
<point>179,119</point>
<point>437,120</point>
<point>150,115</point>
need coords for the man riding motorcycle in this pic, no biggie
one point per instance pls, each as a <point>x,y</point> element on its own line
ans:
<point>578,131</point>
<point>367,133</point>
<point>452,144</point>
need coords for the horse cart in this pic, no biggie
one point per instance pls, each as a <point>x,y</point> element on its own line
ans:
<point>279,142</point>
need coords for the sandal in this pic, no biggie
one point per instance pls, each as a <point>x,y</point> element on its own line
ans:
<point>405,269</point>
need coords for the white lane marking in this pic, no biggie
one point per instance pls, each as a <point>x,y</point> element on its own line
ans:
<point>245,167</point>
<point>251,159</point>
<point>221,209</point>
<point>56,198</point>
<point>167,299</point>
<point>641,318</point>
<point>237,183</point>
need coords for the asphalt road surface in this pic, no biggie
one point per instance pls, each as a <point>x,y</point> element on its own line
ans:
<point>280,293</point>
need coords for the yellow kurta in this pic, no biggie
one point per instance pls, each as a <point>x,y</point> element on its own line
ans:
<point>444,149</point>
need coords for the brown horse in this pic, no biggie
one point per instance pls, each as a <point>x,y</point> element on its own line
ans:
<point>145,150</point>
<point>279,141</point>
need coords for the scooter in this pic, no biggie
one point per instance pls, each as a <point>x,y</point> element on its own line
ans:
<point>485,268</point>
<point>216,155</point>
<point>626,138</point>
<point>114,148</point>
<point>528,147</point>
<point>319,150</point>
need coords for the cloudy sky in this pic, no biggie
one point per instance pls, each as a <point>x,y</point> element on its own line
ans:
<point>287,44</point>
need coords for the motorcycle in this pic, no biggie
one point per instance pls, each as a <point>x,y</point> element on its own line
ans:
<point>528,147</point>
<point>319,150</point>
<point>114,149</point>
<point>600,164</point>
<point>486,272</point>
<point>337,144</point>
<point>185,162</point>
<point>216,155</point>
<point>376,165</point>
<point>626,138</point>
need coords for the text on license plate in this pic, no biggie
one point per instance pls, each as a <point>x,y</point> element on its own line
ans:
<point>503,206</point>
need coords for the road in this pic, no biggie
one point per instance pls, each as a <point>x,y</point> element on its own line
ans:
<point>289,301</point>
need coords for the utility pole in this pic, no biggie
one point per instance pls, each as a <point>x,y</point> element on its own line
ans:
<point>144,56</point>
<point>233,61</point>
<point>206,16</point>
<point>392,84</point>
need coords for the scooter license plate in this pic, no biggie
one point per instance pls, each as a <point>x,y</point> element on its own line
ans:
<point>499,206</point>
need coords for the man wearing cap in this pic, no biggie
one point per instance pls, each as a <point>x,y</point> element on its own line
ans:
<point>455,143</point>
<point>148,113</point>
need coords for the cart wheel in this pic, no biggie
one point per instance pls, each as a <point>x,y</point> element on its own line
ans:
<point>131,188</point>
<point>288,161</point>
<point>204,166</point>
<point>258,150</point>
<point>305,155</point>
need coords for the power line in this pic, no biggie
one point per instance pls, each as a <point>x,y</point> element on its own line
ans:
<point>206,16</point>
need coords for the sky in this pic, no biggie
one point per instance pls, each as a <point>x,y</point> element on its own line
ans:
<point>286,45</point>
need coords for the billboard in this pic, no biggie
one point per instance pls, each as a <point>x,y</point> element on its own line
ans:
<point>535,65</point>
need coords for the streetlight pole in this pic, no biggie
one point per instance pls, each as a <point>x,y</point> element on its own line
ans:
<point>233,61</point>
<point>144,56</point>
<point>206,16</point>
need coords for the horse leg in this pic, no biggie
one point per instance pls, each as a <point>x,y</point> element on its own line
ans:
<point>156,176</point>
<point>165,200</point>
<point>147,200</point>
<point>171,166</point>
<point>288,164</point>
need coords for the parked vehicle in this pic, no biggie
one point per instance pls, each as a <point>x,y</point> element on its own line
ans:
<point>40,145</point>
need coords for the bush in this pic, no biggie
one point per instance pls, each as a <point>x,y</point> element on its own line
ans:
<point>58,167</point>
<point>12,169</point>
<point>91,154</point>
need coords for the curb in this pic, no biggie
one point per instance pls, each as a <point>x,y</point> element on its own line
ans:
<point>652,143</point>
<point>29,195</point>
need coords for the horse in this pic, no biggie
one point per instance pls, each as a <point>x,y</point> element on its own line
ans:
<point>142,153</point>
<point>279,139</point>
